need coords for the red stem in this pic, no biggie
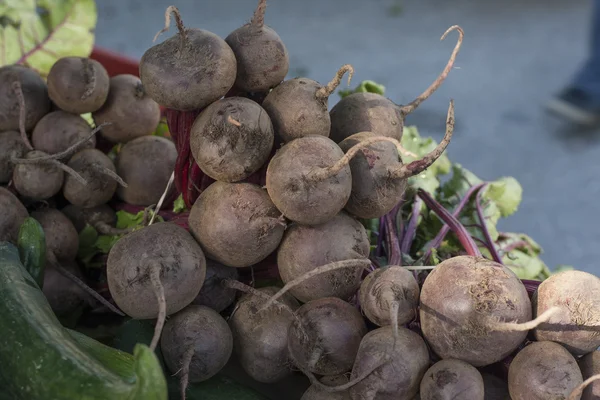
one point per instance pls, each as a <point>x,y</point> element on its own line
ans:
<point>411,229</point>
<point>486,233</point>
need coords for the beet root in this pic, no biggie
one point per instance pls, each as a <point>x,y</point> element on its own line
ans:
<point>190,70</point>
<point>12,216</point>
<point>166,250</point>
<point>392,371</point>
<point>389,296</point>
<point>236,223</point>
<point>315,392</point>
<point>78,85</point>
<point>96,168</point>
<point>37,181</point>
<point>590,366</point>
<point>20,85</point>
<point>146,164</point>
<point>325,337</point>
<point>213,293</point>
<point>464,302</point>
<point>298,107</point>
<point>262,58</point>
<point>577,296</point>
<point>260,338</point>
<point>62,240</point>
<point>59,130</point>
<point>198,342</point>
<point>452,379</point>
<point>130,111</point>
<point>295,190</point>
<point>543,370</point>
<point>11,146</point>
<point>305,248</point>
<point>231,139</point>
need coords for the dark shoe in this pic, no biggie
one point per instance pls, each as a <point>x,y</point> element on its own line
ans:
<point>576,106</point>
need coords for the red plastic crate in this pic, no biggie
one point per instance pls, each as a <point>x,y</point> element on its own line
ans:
<point>115,63</point>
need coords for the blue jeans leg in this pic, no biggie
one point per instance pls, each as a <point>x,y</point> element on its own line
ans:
<point>587,78</point>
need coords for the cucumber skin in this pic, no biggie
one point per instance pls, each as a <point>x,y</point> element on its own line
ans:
<point>32,249</point>
<point>39,359</point>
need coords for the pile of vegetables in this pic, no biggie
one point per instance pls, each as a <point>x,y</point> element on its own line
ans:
<point>156,230</point>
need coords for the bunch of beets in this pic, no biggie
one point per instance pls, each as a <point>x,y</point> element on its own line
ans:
<point>276,184</point>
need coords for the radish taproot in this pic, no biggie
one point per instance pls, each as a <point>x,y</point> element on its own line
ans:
<point>372,112</point>
<point>467,305</point>
<point>37,181</point>
<point>131,112</point>
<point>190,70</point>
<point>391,368</point>
<point>23,92</point>
<point>236,223</point>
<point>379,178</point>
<point>543,370</point>
<point>325,336</point>
<point>298,107</point>
<point>260,337</point>
<point>11,146</point>
<point>78,85</point>
<point>146,165</point>
<point>197,343</point>
<point>59,130</point>
<point>12,216</point>
<point>575,325</point>
<point>162,256</point>
<point>342,241</point>
<point>231,139</point>
<point>262,58</point>
<point>452,379</point>
<point>213,293</point>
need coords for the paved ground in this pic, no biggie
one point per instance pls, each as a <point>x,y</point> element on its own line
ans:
<point>516,54</point>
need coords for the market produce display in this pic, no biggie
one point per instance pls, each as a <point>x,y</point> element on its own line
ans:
<point>157,230</point>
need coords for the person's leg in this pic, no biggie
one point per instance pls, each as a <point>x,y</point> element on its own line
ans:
<point>580,101</point>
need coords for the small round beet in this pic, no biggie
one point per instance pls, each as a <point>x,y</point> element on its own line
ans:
<point>59,130</point>
<point>80,217</point>
<point>541,371</point>
<point>213,294</point>
<point>11,146</point>
<point>12,216</point>
<point>262,58</point>
<point>452,379</point>
<point>146,165</point>
<point>315,392</point>
<point>190,70</point>
<point>78,85</point>
<point>62,239</point>
<point>325,337</point>
<point>231,139</point>
<point>33,90</point>
<point>129,110</point>
<point>100,188</point>
<point>37,181</point>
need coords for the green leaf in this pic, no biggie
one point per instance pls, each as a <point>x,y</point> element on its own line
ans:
<point>32,249</point>
<point>179,205</point>
<point>87,244</point>
<point>364,86</point>
<point>506,192</point>
<point>38,33</point>
<point>521,254</point>
<point>162,129</point>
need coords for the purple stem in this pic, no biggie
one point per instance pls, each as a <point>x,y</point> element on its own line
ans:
<point>437,241</point>
<point>515,245</point>
<point>411,229</point>
<point>463,235</point>
<point>486,233</point>
<point>380,236</point>
<point>393,245</point>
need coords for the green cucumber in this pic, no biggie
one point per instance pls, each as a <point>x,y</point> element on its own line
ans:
<point>32,249</point>
<point>40,360</point>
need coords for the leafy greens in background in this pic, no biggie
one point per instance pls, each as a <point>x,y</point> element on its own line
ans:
<point>36,33</point>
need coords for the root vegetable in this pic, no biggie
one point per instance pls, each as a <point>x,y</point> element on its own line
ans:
<point>231,139</point>
<point>541,371</point>
<point>262,58</point>
<point>236,223</point>
<point>102,217</point>
<point>315,392</point>
<point>190,70</point>
<point>213,293</point>
<point>164,250</point>
<point>464,306</point>
<point>64,296</point>
<point>23,90</point>
<point>11,146</point>
<point>452,379</point>
<point>261,337</point>
<point>12,216</point>
<point>298,107</point>
<point>325,337</point>
<point>78,85</point>
<point>37,181</point>
<point>590,366</point>
<point>62,240</point>
<point>131,112</point>
<point>146,164</point>
<point>59,130</point>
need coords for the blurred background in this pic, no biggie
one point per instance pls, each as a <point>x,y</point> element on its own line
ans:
<point>516,54</point>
